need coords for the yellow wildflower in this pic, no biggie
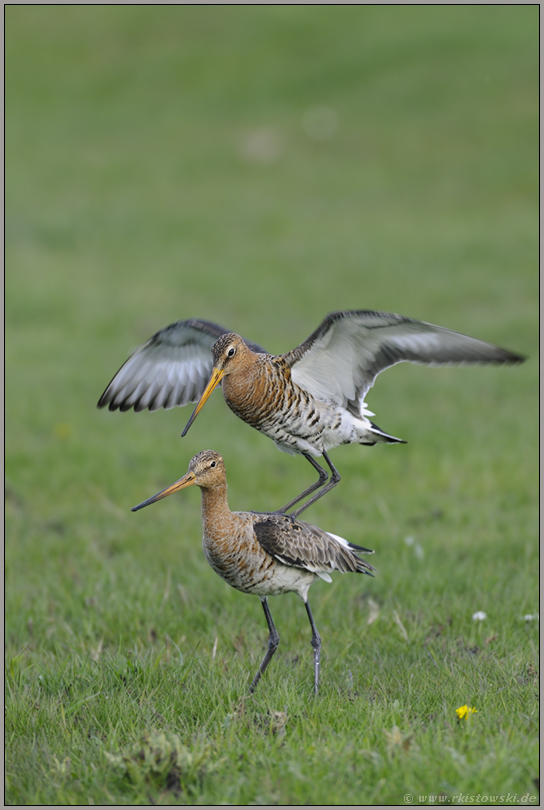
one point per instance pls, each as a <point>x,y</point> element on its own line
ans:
<point>63,430</point>
<point>465,712</point>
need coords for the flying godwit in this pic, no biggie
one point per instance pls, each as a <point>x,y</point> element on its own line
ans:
<point>263,554</point>
<point>308,400</point>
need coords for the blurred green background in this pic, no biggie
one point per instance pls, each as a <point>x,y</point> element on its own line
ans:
<point>162,163</point>
<point>261,166</point>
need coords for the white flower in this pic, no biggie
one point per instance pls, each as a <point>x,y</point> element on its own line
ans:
<point>479,616</point>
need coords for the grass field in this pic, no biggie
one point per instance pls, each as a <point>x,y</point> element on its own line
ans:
<point>260,167</point>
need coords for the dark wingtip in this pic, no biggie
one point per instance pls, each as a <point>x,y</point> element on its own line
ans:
<point>355,547</point>
<point>506,357</point>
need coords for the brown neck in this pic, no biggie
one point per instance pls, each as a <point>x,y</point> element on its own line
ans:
<point>254,389</point>
<point>215,508</point>
<point>246,371</point>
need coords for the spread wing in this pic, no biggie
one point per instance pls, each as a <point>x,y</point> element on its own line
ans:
<point>343,357</point>
<point>171,368</point>
<point>301,545</point>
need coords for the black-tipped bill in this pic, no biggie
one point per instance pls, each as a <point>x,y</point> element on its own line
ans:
<point>215,379</point>
<point>186,481</point>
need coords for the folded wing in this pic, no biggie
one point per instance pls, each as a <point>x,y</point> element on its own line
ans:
<point>302,545</point>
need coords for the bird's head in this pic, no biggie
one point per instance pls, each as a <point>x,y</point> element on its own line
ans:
<point>206,470</point>
<point>229,353</point>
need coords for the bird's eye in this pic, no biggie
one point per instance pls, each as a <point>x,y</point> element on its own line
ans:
<point>231,351</point>
<point>212,464</point>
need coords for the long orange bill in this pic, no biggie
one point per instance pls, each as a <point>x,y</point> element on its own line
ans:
<point>186,481</point>
<point>215,379</point>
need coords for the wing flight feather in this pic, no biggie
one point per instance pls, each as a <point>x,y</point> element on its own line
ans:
<point>343,356</point>
<point>171,369</point>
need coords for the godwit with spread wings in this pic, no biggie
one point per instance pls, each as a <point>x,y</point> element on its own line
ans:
<point>308,400</point>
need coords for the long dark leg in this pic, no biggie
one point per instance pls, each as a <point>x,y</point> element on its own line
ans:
<point>334,479</point>
<point>316,644</point>
<point>323,475</point>
<point>273,641</point>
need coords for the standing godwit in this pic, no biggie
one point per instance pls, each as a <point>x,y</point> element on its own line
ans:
<point>308,400</point>
<point>263,554</point>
